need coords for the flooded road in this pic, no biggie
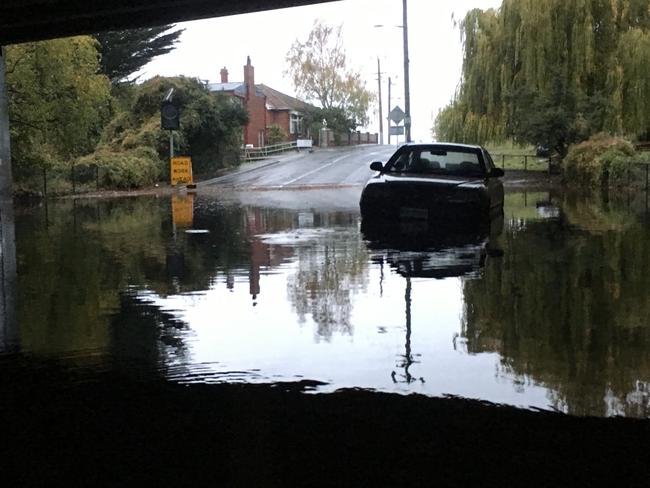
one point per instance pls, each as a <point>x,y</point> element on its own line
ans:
<point>546,308</point>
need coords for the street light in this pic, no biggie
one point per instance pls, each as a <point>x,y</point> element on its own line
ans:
<point>407,96</point>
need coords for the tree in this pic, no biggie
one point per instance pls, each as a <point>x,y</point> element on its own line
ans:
<point>319,71</point>
<point>126,52</point>
<point>336,119</point>
<point>58,103</point>
<point>552,72</point>
<point>133,150</point>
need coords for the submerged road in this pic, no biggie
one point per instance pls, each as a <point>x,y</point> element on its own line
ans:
<point>321,168</point>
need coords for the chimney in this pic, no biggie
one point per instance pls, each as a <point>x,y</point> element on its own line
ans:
<point>224,75</point>
<point>249,78</point>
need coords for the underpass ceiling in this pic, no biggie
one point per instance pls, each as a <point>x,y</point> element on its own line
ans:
<point>32,20</point>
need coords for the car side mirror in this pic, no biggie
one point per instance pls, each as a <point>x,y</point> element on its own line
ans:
<point>377,166</point>
<point>496,173</point>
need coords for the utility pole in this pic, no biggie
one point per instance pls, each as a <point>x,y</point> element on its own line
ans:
<point>381,116</point>
<point>388,109</point>
<point>407,98</point>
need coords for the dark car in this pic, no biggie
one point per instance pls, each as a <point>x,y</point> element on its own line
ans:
<point>432,182</point>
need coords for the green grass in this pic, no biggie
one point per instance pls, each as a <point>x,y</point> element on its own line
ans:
<point>510,148</point>
<point>512,156</point>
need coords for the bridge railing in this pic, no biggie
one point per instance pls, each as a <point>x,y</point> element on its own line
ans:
<point>257,153</point>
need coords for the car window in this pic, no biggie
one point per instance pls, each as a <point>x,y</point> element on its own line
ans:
<point>436,161</point>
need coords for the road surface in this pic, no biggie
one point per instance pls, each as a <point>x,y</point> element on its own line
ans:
<point>323,168</point>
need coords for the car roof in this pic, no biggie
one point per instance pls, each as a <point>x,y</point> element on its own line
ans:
<point>441,144</point>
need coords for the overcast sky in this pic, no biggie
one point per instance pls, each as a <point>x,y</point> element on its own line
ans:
<point>434,49</point>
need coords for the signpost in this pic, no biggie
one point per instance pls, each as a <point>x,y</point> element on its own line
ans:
<point>181,167</point>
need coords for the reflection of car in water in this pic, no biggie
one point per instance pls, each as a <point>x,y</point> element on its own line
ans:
<point>446,249</point>
<point>426,182</point>
<point>449,247</point>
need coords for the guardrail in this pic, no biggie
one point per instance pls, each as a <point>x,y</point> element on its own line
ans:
<point>257,153</point>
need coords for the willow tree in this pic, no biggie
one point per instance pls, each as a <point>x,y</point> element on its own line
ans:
<point>552,72</point>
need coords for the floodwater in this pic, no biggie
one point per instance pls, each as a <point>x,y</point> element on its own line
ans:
<point>546,308</point>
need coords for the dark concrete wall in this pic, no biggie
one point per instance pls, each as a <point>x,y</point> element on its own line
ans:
<point>31,20</point>
<point>5,152</point>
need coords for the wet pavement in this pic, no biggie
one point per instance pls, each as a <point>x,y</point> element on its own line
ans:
<point>267,338</point>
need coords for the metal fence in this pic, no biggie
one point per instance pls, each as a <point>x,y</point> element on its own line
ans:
<point>636,173</point>
<point>637,176</point>
<point>75,179</point>
<point>527,162</point>
<point>256,153</point>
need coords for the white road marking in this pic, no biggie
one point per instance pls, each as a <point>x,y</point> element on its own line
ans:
<point>315,170</point>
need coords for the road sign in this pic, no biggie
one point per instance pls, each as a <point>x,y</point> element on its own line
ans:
<point>181,167</point>
<point>397,130</point>
<point>396,115</point>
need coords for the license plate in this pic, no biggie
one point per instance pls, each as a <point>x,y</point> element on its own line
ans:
<point>413,213</point>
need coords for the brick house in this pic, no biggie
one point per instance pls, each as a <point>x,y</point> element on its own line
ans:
<point>265,107</point>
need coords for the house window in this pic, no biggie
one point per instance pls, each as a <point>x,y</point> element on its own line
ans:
<point>295,127</point>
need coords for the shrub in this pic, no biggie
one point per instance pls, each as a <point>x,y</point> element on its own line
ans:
<point>277,135</point>
<point>615,166</point>
<point>128,169</point>
<point>591,162</point>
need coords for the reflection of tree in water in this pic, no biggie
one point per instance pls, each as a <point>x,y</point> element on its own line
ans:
<point>329,272</point>
<point>77,258</point>
<point>143,332</point>
<point>569,309</point>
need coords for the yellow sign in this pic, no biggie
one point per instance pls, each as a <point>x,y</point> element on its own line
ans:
<point>181,171</point>
<point>183,210</point>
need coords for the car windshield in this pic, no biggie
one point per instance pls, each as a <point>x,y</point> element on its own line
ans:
<point>439,161</point>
